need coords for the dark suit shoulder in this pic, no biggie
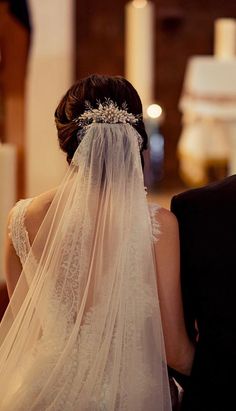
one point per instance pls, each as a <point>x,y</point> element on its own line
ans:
<point>221,192</point>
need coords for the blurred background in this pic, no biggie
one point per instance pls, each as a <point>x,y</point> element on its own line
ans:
<point>179,54</point>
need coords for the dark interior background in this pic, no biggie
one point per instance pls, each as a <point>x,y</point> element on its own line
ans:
<point>183,28</point>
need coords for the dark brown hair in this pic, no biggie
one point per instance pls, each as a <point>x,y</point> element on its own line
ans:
<point>93,88</point>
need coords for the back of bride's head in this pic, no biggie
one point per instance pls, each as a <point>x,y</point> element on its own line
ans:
<point>93,89</point>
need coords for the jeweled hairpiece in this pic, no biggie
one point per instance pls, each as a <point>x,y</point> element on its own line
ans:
<point>107,112</point>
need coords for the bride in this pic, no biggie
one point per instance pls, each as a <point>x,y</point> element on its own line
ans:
<point>91,271</point>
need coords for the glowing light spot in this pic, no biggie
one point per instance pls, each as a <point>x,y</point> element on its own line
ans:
<point>154,111</point>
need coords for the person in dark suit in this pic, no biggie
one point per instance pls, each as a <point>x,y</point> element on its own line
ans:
<point>207,224</point>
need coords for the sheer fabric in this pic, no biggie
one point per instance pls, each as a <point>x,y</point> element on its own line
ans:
<point>83,329</point>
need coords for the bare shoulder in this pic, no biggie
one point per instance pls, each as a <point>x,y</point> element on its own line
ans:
<point>37,210</point>
<point>167,220</point>
<point>167,245</point>
<point>41,203</point>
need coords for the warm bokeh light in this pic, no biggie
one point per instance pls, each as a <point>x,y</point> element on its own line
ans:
<point>154,111</point>
<point>139,4</point>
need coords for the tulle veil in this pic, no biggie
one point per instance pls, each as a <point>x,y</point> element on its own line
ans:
<point>83,330</point>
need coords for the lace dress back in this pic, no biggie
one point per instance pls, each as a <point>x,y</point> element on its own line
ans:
<point>20,237</point>
<point>17,230</point>
<point>41,361</point>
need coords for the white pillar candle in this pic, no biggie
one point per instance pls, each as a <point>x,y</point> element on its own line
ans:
<point>139,48</point>
<point>7,192</point>
<point>225,38</point>
<point>50,74</point>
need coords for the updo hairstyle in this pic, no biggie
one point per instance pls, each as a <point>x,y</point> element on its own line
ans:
<point>93,88</point>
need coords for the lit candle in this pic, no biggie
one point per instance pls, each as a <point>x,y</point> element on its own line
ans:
<point>139,48</point>
<point>225,38</point>
<point>7,191</point>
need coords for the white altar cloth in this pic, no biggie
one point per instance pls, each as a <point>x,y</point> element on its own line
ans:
<point>208,106</point>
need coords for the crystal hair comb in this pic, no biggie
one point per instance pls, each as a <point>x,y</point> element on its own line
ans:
<point>107,112</point>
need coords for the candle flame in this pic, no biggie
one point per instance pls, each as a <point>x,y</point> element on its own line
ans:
<point>139,4</point>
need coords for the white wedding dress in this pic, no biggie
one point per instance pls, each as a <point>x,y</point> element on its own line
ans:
<point>20,237</point>
<point>83,330</point>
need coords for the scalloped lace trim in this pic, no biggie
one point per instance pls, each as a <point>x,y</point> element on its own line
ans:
<point>17,230</point>
<point>153,210</point>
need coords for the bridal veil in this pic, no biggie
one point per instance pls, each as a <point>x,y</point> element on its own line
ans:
<point>83,330</point>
